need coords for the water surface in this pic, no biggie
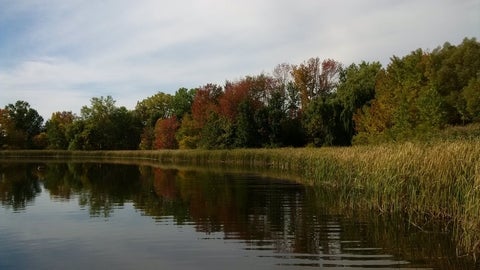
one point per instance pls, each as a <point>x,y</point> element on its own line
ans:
<point>106,216</point>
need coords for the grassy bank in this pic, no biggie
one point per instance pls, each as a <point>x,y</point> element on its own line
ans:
<point>439,181</point>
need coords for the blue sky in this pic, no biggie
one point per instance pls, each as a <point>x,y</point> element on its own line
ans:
<point>58,54</point>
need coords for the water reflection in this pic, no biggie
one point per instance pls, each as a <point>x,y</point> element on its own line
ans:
<point>281,221</point>
<point>18,186</point>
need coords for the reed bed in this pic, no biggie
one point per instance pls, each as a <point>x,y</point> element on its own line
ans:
<point>429,182</point>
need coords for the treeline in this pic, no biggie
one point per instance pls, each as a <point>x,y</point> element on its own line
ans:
<point>315,103</point>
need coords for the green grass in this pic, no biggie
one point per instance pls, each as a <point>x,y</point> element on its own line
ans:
<point>427,181</point>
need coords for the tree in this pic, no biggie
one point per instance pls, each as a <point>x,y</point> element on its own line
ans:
<point>453,69</point>
<point>204,103</point>
<point>329,76</point>
<point>409,100</point>
<point>313,78</point>
<point>431,109</point>
<point>246,134</point>
<point>126,129</point>
<point>103,126</point>
<point>471,94</point>
<point>56,129</point>
<point>182,102</point>
<point>322,122</point>
<point>149,110</point>
<point>306,78</point>
<point>165,130</point>
<point>285,86</point>
<point>217,133</point>
<point>355,90</point>
<point>394,114</point>
<point>235,93</point>
<point>77,135</point>
<point>98,125</point>
<point>270,119</point>
<point>23,123</point>
<point>188,134</point>
<point>7,130</point>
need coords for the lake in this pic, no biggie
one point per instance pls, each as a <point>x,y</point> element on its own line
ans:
<point>114,216</point>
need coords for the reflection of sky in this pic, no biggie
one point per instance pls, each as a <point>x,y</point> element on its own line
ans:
<point>60,235</point>
<point>53,234</point>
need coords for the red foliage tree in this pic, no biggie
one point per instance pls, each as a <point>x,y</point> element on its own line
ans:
<point>205,102</point>
<point>254,89</point>
<point>165,130</point>
<point>234,94</point>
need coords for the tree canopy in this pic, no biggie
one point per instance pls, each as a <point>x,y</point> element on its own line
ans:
<point>317,102</point>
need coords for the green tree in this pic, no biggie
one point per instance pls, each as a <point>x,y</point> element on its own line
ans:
<point>126,129</point>
<point>25,122</point>
<point>356,89</point>
<point>56,129</point>
<point>217,133</point>
<point>103,126</point>
<point>401,90</point>
<point>453,69</point>
<point>188,133</point>
<point>269,121</point>
<point>322,122</point>
<point>182,102</point>
<point>471,94</point>
<point>77,135</point>
<point>246,134</point>
<point>432,112</point>
<point>6,129</point>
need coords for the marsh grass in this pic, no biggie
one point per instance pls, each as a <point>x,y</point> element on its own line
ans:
<point>427,181</point>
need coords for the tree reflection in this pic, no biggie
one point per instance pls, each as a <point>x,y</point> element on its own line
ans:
<point>264,213</point>
<point>107,186</point>
<point>19,185</point>
<point>61,181</point>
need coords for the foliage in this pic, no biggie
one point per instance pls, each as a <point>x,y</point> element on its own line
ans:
<point>322,122</point>
<point>421,93</point>
<point>165,130</point>
<point>182,102</point>
<point>57,127</point>
<point>356,88</point>
<point>217,133</point>
<point>188,133</point>
<point>149,111</point>
<point>471,94</point>
<point>317,102</point>
<point>453,69</point>
<point>20,124</point>
<point>105,126</point>
<point>313,78</point>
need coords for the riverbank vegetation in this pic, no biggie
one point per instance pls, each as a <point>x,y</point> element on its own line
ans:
<point>315,103</point>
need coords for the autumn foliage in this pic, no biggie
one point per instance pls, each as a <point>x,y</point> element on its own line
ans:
<point>165,130</point>
<point>317,102</point>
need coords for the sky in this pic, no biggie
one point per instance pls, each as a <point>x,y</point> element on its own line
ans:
<point>58,54</point>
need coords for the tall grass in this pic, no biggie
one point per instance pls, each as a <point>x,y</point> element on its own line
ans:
<point>436,181</point>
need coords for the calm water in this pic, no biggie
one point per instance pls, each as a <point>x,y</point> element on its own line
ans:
<point>105,216</point>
